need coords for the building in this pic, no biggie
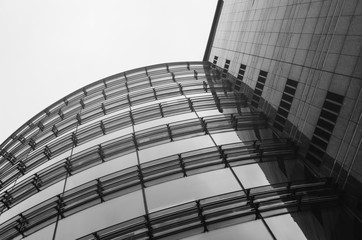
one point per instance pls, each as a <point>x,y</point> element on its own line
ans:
<point>300,63</point>
<point>198,150</point>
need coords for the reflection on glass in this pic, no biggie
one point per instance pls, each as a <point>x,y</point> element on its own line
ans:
<point>273,172</point>
<point>101,216</point>
<point>247,135</point>
<point>190,188</point>
<point>266,133</point>
<point>167,149</point>
<point>254,230</point>
<point>101,170</point>
<point>295,170</point>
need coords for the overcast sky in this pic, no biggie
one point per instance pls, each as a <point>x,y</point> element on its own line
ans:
<point>49,48</point>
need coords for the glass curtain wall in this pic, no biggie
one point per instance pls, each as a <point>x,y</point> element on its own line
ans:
<point>161,152</point>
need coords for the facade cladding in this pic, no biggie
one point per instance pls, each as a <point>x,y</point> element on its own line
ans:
<point>300,63</point>
<point>261,140</point>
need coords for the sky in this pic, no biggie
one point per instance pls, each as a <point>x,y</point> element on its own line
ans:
<point>50,48</point>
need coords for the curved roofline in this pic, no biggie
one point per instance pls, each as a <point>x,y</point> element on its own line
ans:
<point>83,90</point>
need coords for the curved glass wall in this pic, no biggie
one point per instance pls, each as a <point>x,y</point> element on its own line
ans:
<point>161,152</point>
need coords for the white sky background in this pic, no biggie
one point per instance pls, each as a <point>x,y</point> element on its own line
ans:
<point>50,48</point>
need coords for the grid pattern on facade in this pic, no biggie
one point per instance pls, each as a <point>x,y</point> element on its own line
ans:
<point>147,174</point>
<point>150,108</point>
<point>316,43</point>
<point>207,214</point>
<point>52,132</point>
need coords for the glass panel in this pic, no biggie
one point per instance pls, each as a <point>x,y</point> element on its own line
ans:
<point>167,149</point>
<point>251,176</point>
<point>230,110</point>
<point>101,216</point>
<point>265,133</point>
<point>163,121</point>
<point>102,139</point>
<point>157,102</point>
<point>190,189</point>
<point>104,117</point>
<point>254,230</point>
<point>247,135</point>
<point>225,138</point>
<point>274,171</point>
<point>208,113</point>
<point>44,233</point>
<point>284,227</point>
<point>101,170</point>
<point>295,170</point>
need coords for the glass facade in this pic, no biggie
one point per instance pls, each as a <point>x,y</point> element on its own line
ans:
<point>168,151</point>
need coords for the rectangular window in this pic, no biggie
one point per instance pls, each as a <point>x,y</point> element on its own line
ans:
<point>241,72</point>
<point>285,104</point>
<point>240,77</point>
<point>214,62</point>
<point>259,88</point>
<point>324,128</point>
<point>226,68</point>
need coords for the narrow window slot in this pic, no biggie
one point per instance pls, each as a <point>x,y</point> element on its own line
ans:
<point>259,88</point>
<point>285,103</point>
<point>325,126</point>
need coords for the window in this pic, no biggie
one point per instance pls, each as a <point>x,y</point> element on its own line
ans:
<point>259,88</point>
<point>240,77</point>
<point>325,125</point>
<point>285,104</point>
<point>215,61</point>
<point>226,68</point>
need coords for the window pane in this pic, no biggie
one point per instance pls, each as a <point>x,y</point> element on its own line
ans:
<point>290,229</point>
<point>44,233</point>
<point>190,188</point>
<point>101,216</point>
<point>225,138</point>
<point>164,121</point>
<point>174,148</point>
<point>101,170</point>
<point>102,139</point>
<point>251,175</point>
